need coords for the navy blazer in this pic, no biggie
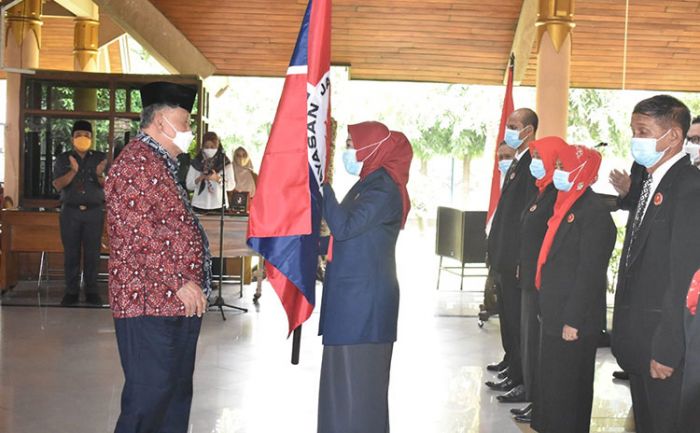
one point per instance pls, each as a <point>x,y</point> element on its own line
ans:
<point>361,292</point>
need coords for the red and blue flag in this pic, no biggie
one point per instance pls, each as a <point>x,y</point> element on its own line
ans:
<point>285,213</point>
<point>506,111</point>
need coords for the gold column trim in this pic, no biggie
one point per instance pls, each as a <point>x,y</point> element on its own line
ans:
<point>555,17</point>
<point>23,18</point>
<point>85,40</point>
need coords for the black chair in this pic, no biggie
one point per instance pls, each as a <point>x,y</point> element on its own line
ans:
<point>461,235</point>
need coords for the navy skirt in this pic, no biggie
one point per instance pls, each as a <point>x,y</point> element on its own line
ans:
<point>353,395</point>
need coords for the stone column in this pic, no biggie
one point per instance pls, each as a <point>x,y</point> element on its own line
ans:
<point>22,46</point>
<point>555,22</point>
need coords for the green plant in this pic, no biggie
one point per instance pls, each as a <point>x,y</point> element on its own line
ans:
<point>445,138</point>
<point>614,266</point>
<point>594,117</point>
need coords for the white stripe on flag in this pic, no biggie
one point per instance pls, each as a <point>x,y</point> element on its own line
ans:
<point>296,70</point>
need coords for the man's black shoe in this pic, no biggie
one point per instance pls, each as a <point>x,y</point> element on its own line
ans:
<point>515,395</point>
<point>525,419</point>
<point>69,300</point>
<point>621,375</point>
<point>499,366</point>
<point>504,385</point>
<point>492,383</point>
<point>522,411</point>
<point>93,299</point>
<point>503,374</point>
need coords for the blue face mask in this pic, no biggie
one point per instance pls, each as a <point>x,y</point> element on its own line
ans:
<point>537,168</point>
<point>561,180</point>
<point>512,138</point>
<point>352,165</point>
<point>644,150</point>
<point>504,165</point>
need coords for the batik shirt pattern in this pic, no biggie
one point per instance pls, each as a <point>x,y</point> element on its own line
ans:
<point>156,242</point>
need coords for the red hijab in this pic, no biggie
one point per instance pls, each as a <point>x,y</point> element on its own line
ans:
<point>548,149</point>
<point>379,148</point>
<point>583,164</point>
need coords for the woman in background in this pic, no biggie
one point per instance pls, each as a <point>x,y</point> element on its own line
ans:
<point>205,176</point>
<point>244,174</point>
<point>360,305</point>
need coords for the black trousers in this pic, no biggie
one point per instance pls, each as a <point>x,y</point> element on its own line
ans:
<point>565,393</point>
<point>157,356</point>
<point>530,340</point>
<point>509,306</point>
<point>656,402</point>
<point>498,290</point>
<point>81,234</point>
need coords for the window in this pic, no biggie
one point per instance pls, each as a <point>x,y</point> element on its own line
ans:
<point>53,101</point>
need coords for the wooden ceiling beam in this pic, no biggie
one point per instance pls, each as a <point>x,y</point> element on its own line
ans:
<point>109,30</point>
<point>145,23</point>
<point>523,41</point>
<point>80,8</point>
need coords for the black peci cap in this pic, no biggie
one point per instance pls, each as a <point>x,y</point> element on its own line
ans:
<point>163,92</point>
<point>82,125</point>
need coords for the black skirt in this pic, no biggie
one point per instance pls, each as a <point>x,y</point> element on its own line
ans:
<point>565,385</point>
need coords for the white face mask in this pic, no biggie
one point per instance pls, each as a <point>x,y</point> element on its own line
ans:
<point>209,153</point>
<point>182,139</point>
<point>692,149</point>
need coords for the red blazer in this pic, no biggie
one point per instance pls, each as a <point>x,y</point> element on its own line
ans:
<point>155,245</point>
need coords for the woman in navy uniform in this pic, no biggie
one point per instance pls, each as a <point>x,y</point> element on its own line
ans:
<point>360,304</point>
<point>572,279</point>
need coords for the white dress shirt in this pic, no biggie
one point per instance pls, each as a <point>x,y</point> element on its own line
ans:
<point>659,174</point>
<point>209,199</point>
<point>520,155</point>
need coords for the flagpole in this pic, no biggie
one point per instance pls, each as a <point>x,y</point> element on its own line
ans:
<point>296,345</point>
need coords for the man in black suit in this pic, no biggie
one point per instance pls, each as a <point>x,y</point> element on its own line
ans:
<point>656,265</point>
<point>628,187</point>
<point>692,144</point>
<point>504,246</point>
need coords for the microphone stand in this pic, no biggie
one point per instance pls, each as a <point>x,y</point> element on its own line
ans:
<point>219,300</point>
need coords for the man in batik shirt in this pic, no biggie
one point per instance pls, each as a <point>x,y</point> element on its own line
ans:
<point>159,266</point>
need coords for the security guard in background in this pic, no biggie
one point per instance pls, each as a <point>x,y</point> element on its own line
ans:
<point>79,176</point>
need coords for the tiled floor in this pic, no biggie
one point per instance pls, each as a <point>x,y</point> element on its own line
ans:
<point>59,368</point>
